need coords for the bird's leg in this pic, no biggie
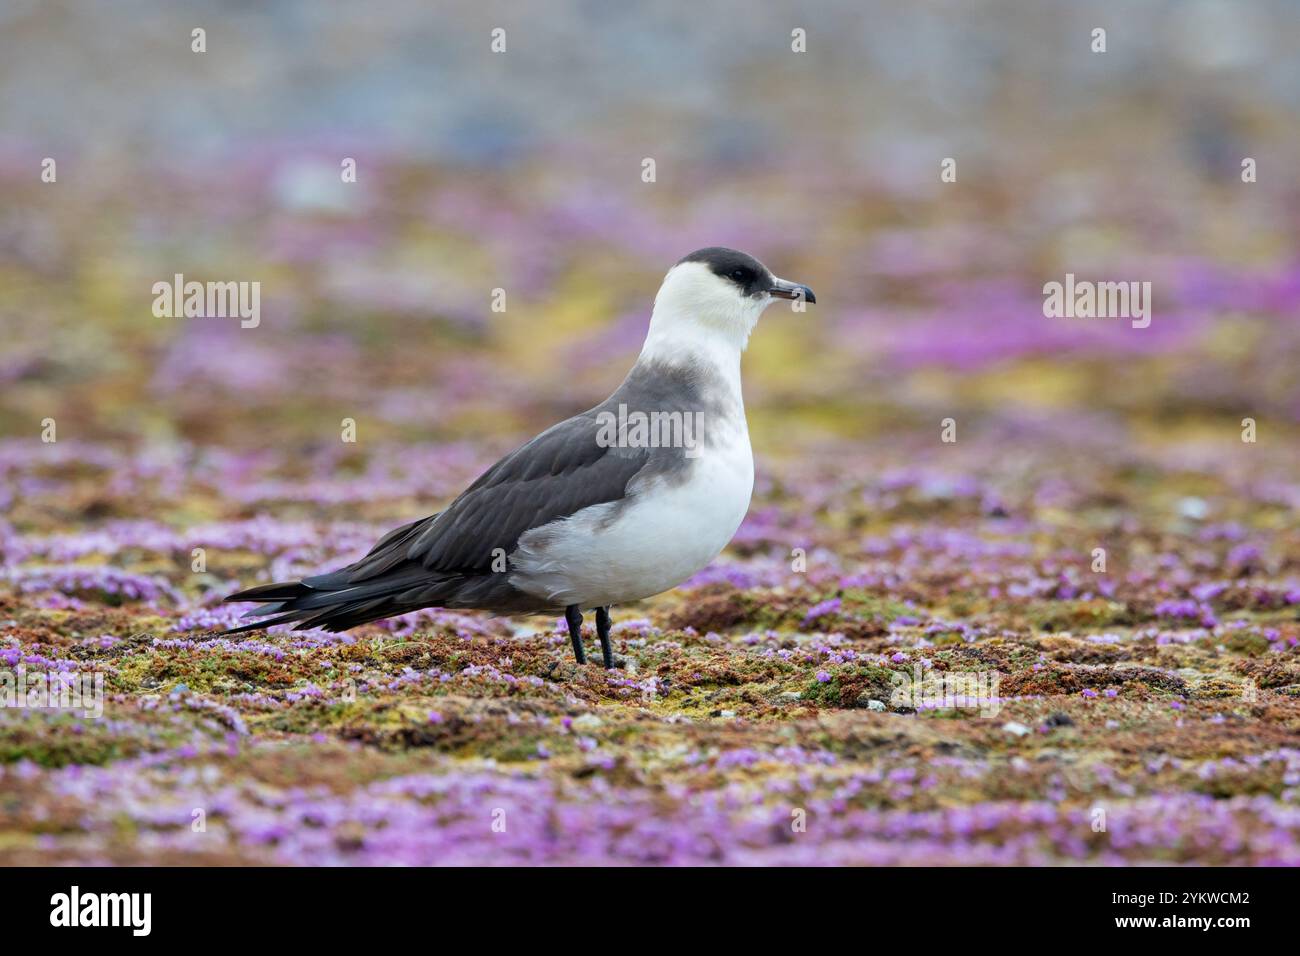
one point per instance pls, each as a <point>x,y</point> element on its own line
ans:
<point>573,617</point>
<point>602,628</point>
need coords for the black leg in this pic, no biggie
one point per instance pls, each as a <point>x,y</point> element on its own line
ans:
<point>573,617</point>
<point>602,628</point>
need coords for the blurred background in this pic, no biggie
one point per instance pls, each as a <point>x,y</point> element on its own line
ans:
<point>522,171</point>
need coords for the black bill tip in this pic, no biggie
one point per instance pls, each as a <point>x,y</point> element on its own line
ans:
<point>792,290</point>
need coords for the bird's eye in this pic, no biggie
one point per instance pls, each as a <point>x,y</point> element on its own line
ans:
<point>739,275</point>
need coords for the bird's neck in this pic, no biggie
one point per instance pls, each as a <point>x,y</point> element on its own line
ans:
<point>675,340</point>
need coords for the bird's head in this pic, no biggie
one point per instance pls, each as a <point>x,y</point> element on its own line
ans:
<point>716,295</point>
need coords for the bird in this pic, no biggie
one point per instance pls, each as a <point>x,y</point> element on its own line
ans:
<point>621,502</point>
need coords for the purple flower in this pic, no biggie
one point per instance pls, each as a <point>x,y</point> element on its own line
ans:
<point>820,610</point>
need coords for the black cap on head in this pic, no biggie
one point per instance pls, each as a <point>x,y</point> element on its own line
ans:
<point>744,270</point>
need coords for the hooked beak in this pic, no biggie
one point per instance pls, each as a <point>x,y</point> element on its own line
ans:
<point>782,289</point>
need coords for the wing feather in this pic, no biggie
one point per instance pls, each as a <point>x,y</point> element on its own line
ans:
<point>559,473</point>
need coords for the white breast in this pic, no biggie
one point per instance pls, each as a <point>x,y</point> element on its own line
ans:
<point>618,552</point>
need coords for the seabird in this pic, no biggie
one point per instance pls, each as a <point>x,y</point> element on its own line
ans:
<point>597,510</point>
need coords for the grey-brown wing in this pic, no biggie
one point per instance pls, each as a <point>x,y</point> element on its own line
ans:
<point>557,474</point>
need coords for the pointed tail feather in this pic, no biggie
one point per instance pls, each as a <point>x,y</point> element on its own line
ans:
<point>328,602</point>
<point>283,591</point>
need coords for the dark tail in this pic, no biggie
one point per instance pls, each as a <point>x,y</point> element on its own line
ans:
<point>328,601</point>
<point>382,584</point>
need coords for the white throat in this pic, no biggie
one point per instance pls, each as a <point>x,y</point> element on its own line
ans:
<point>700,318</point>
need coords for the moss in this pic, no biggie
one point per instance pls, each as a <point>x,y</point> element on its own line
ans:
<point>825,693</point>
<point>1077,615</point>
<point>60,740</point>
<point>1245,641</point>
